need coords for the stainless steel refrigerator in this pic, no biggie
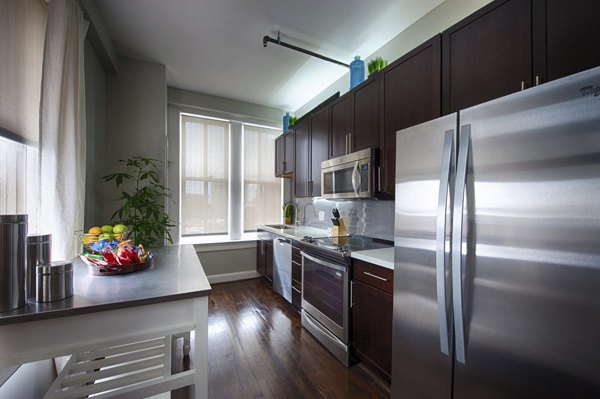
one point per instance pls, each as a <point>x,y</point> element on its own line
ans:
<point>497,249</point>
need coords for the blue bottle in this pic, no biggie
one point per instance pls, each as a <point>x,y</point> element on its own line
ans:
<point>357,71</point>
<point>286,122</point>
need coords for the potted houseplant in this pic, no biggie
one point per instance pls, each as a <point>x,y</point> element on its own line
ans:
<point>292,122</point>
<point>143,209</point>
<point>288,213</point>
<point>376,64</point>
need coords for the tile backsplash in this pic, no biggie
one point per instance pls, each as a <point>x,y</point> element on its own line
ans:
<point>372,218</point>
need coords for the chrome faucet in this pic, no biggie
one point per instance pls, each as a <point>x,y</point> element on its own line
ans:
<point>304,218</point>
<point>296,216</point>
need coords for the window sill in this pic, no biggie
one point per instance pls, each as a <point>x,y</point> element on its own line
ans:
<point>220,242</point>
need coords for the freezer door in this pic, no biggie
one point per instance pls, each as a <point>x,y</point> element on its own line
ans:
<point>527,286</point>
<point>422,343</point>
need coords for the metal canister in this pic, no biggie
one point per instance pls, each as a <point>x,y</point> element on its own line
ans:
<point>54,281</point>
<point>39,250</point>
<point>13,242</point>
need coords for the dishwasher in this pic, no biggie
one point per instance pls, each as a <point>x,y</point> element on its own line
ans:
<point>282,267</point>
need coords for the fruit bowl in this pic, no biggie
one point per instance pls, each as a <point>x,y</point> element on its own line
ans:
<point>106,258</point>
<point>87,239</point>
<point>108,233</point>
<point>106,269</point>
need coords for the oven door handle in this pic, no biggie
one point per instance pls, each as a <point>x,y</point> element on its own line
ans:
<point>316,325</point>
<point>324,262</point>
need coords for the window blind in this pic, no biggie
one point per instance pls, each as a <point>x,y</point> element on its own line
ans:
<point>262,190</point>
<point>204,175</point>
<point>22,32</point>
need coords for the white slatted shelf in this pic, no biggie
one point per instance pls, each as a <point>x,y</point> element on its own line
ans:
<point>135,369</point>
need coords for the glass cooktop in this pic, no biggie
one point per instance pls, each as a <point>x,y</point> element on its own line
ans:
<point>344,245</point>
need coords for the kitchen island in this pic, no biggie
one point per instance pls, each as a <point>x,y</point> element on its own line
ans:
<point>106,312</point>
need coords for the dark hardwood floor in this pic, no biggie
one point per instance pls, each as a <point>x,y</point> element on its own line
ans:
<point>257,349</point>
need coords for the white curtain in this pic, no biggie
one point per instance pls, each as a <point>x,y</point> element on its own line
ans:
<point>62,128</point>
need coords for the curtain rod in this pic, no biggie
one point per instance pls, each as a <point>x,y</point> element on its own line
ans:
<point>267,39</point>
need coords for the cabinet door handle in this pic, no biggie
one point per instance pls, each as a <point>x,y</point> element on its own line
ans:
<point>379,178</point>
<point>346,151</point>
<point>522,85</point>
<point>296,289</point>
<point>349,143</point>
<point>375,276</point>
<point>537,80</point>
<point>351,294</point>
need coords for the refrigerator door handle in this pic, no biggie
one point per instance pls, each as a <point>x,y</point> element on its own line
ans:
<point>457,230</point>
<point>440,239</point>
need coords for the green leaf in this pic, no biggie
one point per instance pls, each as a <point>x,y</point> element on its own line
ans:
<point>142,207</point>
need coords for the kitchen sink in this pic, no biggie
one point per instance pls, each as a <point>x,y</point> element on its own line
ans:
<point>278,226</point>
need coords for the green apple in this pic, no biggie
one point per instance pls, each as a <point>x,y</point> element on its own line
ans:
<point>105,236</point>
<point>107,228</point>
<point>119,228</point>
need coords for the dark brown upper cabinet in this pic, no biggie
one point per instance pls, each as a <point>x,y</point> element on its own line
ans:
<point>312,147</point>
<point>487,55</point>
<point>301,156</point>
<point>565,38</point>
<point>366,115</point>
<point>511,45</point>
<point>284,155</point>
<point>411,95</point>
<point>320,123</point>
<point>279,156</point>
<point>356,119</point>
<point>341,126</point>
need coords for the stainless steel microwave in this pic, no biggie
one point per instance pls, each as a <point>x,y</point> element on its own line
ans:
<point>350,176</point>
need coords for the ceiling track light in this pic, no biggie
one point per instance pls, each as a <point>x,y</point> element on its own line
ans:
<point>267,39</point>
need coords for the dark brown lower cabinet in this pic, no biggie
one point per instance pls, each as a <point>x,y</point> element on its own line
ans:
<point>372,309</point>
<point>296,278</point>
<point>264,259</point>
<point>269,262</point>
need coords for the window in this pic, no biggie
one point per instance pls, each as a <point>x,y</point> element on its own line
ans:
<point>18,177</point>
<point>227,177</point>
<point>22,35</point>
<point>262,190</point>
<point>204,175</point>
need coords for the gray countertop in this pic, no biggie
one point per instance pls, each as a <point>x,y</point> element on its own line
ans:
<point>296,232</point>
<point>383,257</point>
<point>176,274</point>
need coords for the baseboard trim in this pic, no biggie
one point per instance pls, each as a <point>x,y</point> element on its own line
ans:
<point>227,277</point>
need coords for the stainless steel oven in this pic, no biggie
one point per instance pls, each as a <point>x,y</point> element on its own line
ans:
<point>350,176</point>
<point>325,302</point>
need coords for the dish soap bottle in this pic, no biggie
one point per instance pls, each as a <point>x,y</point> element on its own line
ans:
<point>357,71</point>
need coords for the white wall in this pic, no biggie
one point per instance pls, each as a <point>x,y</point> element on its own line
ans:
<point>437,20</point>
<point>225,107</point>
<point>228,261</point>
<point>95,108</point>
<point>136,118</point>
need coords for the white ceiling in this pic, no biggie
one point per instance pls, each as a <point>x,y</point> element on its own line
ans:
<point>215,46</point>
